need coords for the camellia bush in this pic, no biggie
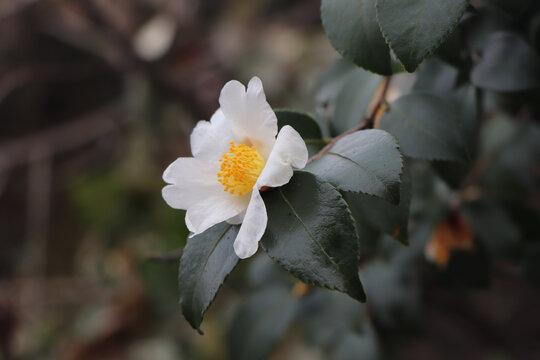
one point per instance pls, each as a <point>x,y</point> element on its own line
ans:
<point>418,168</point>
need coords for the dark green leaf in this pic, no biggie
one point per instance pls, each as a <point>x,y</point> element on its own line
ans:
<point>260,323</point>
<point>352,28</point>
<point>482,25</point>
<point>207,260</point>
<point>311,233</point>
<point>415,28</point>
<point>329,87</point>
<point>333,80</point>
<point>436,77</point>
<point>507,64</point>
<point>465,100</point>
<point>366,162</point>
<point>306,126</point>
<point>353,101</point>
<point>515,154</point>
<point>426,127</point>
<point>383,216</point>
<point>452,50</point>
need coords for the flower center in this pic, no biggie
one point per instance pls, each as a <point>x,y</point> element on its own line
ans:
<point>240,168</point>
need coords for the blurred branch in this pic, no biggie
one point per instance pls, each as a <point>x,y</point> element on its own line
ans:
<point>169,257</point>
<point>14,7</point>
<point>62,138</point>
<point>37,226</point>
<point>15,79</point>
<point>367,123</point>
<point>58,291</point>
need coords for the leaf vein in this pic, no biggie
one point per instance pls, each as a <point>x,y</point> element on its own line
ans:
<point>336,266</point>
<point>419,126</point>
<point>367,170</point>
<point>197,282</point>
<point>416,28</point>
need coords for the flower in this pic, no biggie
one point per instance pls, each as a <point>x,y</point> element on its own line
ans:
<point>235,154</point>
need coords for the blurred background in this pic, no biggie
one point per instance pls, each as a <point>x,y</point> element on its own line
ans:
<point>97,97</point>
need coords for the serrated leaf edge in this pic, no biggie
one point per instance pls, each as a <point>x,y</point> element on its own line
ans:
<point>345,53</point>
<point>351,218</point>
<point>429,53</point>
<point>229,227</point>
<point>429,158</point>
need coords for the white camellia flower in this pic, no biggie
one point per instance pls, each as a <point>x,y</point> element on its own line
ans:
<point>235,154</point>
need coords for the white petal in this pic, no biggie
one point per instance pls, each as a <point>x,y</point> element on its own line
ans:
<point>289,150</point>
<point>235,220</point>
<point>210,139</point>
<point>213,210</point>
<point>192,171</point>
<point>190,228</point>
<point>253,227</point>
<point>181,198</point>
<point>252,118</point>
<point>192,180</point>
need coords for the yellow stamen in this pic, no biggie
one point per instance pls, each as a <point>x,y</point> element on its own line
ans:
<point>240,168</point>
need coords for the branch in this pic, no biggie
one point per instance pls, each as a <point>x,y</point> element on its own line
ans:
<point>366,123</point>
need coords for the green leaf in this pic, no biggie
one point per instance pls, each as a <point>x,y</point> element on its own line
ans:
<point>352,29</point>
<point>453,51</point>
<point>415,28</point>
<point>332,81</point>
<point>306,126</point>
<point>329,87</point>
<point>260,323</point>
<point>366,162</point>
<point>353,101</point>
<point>480,26</point>
<point>435,77</point>
<point>311,234</point>
<point>207,260</point>
<point>383,216</point>
<point>507,64</point>
<point>426,127</point>
<point>464,100</point>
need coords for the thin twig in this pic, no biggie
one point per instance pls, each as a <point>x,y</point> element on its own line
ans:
<point>366,123</point>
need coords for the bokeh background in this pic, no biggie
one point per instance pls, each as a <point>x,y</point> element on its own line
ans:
<point>97,97</point>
